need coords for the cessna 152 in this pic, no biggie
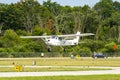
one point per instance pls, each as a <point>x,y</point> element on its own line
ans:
<point>57,41</point>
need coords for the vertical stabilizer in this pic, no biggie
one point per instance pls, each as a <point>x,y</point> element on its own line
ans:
<point>77,37</point>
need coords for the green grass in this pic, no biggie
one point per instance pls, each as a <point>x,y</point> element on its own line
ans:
<point>57,62</point>
<point>91,77</point>
<point>61,61</point>
<point>3,69</point>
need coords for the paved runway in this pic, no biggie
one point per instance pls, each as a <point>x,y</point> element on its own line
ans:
<point>115,70</point>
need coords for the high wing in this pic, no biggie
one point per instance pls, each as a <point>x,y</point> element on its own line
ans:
<point>86,34</point>
<point>35,36</point>
<point>68,35</point>
<point>72,35</point>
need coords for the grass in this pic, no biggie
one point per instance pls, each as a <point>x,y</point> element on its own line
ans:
<point>90,77</point>
<point>57,62</point>
<point>61,61</point>
<point>11,69</point>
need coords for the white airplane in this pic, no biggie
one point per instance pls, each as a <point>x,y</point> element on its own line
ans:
<point>60,40</point>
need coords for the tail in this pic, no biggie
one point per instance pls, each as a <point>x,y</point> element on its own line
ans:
<point>77,37</point>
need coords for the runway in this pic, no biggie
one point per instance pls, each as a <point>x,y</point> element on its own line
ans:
<point>115,70</point>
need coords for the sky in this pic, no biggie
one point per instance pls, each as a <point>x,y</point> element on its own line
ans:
<point>72,3</point>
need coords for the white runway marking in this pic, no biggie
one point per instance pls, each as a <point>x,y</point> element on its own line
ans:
<point>115,70</point>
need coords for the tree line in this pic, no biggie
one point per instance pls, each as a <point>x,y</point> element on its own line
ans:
<point>29,17</point>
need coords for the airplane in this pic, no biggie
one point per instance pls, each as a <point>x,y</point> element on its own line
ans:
<point>55,40</point>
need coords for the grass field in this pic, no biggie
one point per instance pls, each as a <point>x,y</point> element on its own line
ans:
<point>11,69</point>
<point>57,62</point>
<point>4,62</point>
<point>61,61</point>
<point>91,77</point>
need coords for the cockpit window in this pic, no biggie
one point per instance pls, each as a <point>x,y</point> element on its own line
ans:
<point>53,37</point>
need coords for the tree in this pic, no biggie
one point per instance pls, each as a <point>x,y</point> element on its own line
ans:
<point>104,8</point>
<point>57,14</point>
<point>116,22</point>
<point>80,17</point>
<point>53,7</point>
<point>24,15</point>
<point>111,48</point>
<point>116,6</point>
<point>38,31</point>
<point>10,39</point>
<point>31,9</point>
<point>11,18</point>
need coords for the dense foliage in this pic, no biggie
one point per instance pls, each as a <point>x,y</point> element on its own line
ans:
<point>29,17</point>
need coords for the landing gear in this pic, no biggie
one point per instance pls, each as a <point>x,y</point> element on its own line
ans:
<point>49,49</point>
<point>64,49</point>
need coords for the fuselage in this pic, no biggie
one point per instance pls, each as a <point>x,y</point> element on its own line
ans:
<point>55,41</point>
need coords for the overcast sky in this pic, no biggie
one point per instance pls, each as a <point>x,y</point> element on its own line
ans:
<point>63,2</point>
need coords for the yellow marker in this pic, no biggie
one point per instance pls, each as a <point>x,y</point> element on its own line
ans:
<point>18,68</point>
<point>77,56</point>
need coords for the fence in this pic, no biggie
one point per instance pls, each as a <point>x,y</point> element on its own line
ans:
<point>49,54</point>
